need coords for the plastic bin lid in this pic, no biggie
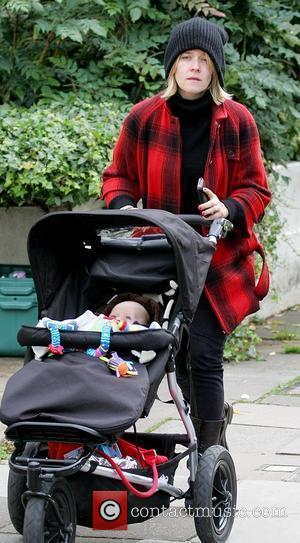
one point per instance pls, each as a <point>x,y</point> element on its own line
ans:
<point>16,287</point>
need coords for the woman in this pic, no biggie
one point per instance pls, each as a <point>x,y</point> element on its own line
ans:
<point>167,142</point>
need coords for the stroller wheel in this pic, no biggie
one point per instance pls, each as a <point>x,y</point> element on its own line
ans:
<point>15,488</point>
<point>215,491</point>
<point>40,521</point>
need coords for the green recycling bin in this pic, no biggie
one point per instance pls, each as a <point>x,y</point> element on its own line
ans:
<point>18,306</point>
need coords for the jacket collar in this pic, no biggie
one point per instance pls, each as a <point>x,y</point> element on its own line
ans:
<point>218,112</point>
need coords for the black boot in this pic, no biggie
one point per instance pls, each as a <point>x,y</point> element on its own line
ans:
<point>208,432</point>
<point>228,414</point>
<point>213,432</point>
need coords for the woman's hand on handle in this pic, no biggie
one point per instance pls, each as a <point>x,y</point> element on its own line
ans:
<point>213,208</point>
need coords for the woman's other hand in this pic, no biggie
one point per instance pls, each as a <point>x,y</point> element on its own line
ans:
<point>213,208</point>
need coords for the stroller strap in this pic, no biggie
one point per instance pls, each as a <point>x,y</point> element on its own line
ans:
<point>149,458</point>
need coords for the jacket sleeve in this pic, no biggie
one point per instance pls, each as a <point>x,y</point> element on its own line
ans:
<point>120,183</point>
<point>250,186</point>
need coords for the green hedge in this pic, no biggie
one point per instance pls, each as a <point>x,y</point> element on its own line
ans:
<point>53,155</point>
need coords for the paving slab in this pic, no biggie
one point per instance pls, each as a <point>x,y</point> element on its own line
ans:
<point>268,512</point>
<point>267,415</point>
<point>256,378</point>
<point>292,448</point>
<point>10,538</point>
<point>294,390</point>
<point>3,479</point>
<point>174,523</point>
<point>282,399</point>
<point>257,439</point>
<point>8,366</point>
<point>285,321</point>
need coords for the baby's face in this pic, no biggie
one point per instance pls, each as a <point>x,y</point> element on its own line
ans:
<point>131,312</point>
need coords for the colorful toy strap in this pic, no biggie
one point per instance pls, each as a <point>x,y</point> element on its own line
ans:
<point>55,346</point>
<point>103,348</point>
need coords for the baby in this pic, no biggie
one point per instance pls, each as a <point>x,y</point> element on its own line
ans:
<point>132,312</point>
<point>137,311</point>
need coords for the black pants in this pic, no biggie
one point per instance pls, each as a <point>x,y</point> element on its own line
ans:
<point>203,387</point>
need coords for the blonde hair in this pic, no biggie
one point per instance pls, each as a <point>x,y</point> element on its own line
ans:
<point>219,95</point>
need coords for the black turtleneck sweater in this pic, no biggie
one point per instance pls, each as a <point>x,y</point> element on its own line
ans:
<point>195,121</point>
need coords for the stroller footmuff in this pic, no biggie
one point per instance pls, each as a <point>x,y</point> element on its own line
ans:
<point>90,396</point>
<point>74,400</point>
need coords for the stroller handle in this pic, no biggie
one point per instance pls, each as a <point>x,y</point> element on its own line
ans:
<point>194,220</point>
<point>218,228</point>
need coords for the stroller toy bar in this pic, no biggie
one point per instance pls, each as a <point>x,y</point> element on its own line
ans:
<point>121,367</point>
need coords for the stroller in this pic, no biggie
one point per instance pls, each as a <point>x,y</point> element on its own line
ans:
<point>76,400</point>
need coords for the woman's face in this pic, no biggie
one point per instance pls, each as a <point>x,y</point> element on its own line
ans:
<point>193,74</point>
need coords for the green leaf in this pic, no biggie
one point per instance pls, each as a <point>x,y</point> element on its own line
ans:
<point>135,14</point>
<point>5,65</point>
<point>261,101</point>
<point>92,25</point>
<point>44,25</point>
<point>71,30</point>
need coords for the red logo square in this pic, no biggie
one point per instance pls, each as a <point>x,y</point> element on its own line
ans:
<point>110,510</point>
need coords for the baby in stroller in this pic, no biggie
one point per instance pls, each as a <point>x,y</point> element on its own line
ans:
<point>75,399</point>
<point>134,308</point>
<point>124,312</point>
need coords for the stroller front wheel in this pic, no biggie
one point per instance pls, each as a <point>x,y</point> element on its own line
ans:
<point>40,521</point>
<point>215,491</point>
<point>15,488</point>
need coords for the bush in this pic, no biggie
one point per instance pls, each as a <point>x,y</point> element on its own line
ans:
<point>114,49</point>
<point>52,155</point>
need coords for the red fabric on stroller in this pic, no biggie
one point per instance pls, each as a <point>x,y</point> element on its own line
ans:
<point>58,450</point>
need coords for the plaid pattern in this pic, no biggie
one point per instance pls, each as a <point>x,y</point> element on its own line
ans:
<point>147,164</point>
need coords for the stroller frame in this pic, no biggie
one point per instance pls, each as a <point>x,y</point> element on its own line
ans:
<point>42,472</point>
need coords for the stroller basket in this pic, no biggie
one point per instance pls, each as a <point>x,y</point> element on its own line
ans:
<point>87,483</point>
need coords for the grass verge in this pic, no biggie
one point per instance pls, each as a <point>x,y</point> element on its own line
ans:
<point>292,349</point>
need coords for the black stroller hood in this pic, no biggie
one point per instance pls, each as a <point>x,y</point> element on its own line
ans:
<point>55,245</point>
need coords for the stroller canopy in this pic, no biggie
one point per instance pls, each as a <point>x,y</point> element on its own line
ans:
<point>55,249</point>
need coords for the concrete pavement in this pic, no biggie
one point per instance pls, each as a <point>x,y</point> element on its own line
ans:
<point>264,440</point>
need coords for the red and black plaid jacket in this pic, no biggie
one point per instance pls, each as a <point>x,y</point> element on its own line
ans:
<point>147,164</point>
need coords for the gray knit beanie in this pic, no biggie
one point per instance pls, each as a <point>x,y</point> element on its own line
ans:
<point>197,33</point>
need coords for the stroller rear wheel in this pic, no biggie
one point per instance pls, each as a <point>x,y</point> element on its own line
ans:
<point>41,524</point>
<point>215,491</point>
